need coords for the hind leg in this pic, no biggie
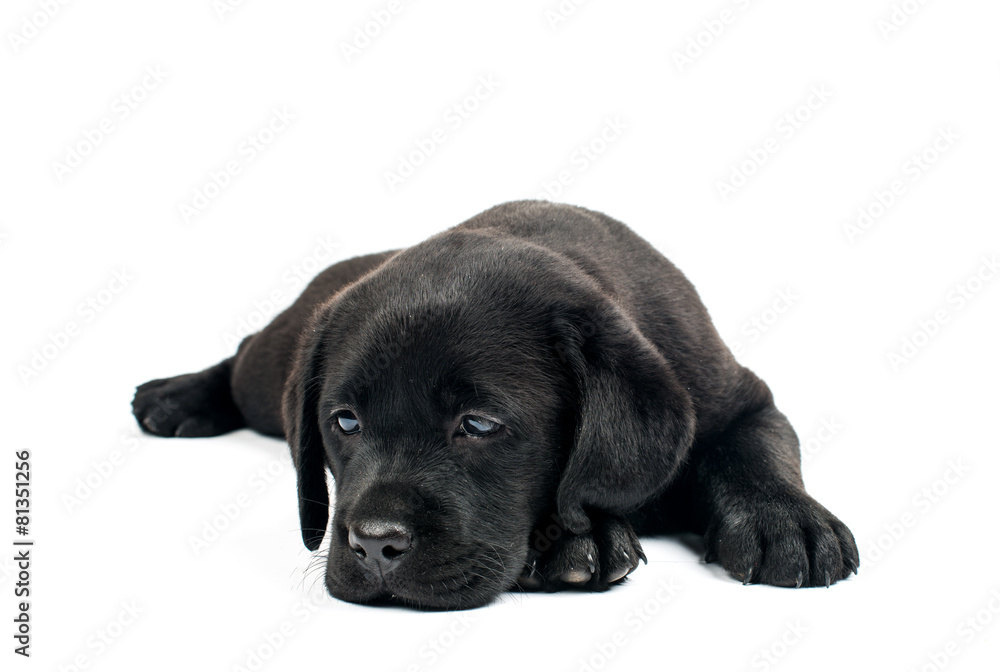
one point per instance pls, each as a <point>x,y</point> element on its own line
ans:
<point>246,389</point>
<point>191,405</point>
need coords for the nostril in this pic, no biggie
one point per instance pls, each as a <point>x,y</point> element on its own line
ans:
<point>377,543</point>
<point>396,547</point>
<point>355,543</point>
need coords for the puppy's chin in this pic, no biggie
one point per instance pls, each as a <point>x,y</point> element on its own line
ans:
<point>476,593</point>
<point>466,582</point>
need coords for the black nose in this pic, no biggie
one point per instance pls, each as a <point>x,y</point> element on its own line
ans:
<point>379,545</point>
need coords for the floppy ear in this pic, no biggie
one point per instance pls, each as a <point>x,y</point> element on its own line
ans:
<point>301,423</point>
<point>634,423</point>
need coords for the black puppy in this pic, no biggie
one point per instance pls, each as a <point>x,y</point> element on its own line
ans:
<point>509,402</point>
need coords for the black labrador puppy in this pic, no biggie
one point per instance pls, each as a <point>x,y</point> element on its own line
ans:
<point>510,403</point>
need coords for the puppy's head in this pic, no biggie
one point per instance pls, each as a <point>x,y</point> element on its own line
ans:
<point>455,406</point>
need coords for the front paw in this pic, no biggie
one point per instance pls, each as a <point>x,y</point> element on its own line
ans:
<point>784,540</point>
<point>595,560</point>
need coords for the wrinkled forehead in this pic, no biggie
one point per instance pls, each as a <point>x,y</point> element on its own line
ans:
<point>440,359</point>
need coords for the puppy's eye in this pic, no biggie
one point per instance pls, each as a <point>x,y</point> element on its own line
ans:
<point>348,422</point>
<point>476,425</point>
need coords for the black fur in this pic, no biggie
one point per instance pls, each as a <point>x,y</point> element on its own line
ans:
<point>622,412</point>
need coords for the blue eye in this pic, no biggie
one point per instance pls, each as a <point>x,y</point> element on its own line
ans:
<point>348,422</point>
<point>475,425</point>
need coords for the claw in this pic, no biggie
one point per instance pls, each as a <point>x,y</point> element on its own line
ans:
<point>828,579</point>
<point>798,583</point>
<point>748,576</point>
<point>530,578</point>
<point>622,572</point>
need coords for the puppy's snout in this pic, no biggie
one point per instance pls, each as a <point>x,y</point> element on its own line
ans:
<point>379,545</point>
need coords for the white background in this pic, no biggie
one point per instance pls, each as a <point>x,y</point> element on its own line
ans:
<point>927,530</point>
